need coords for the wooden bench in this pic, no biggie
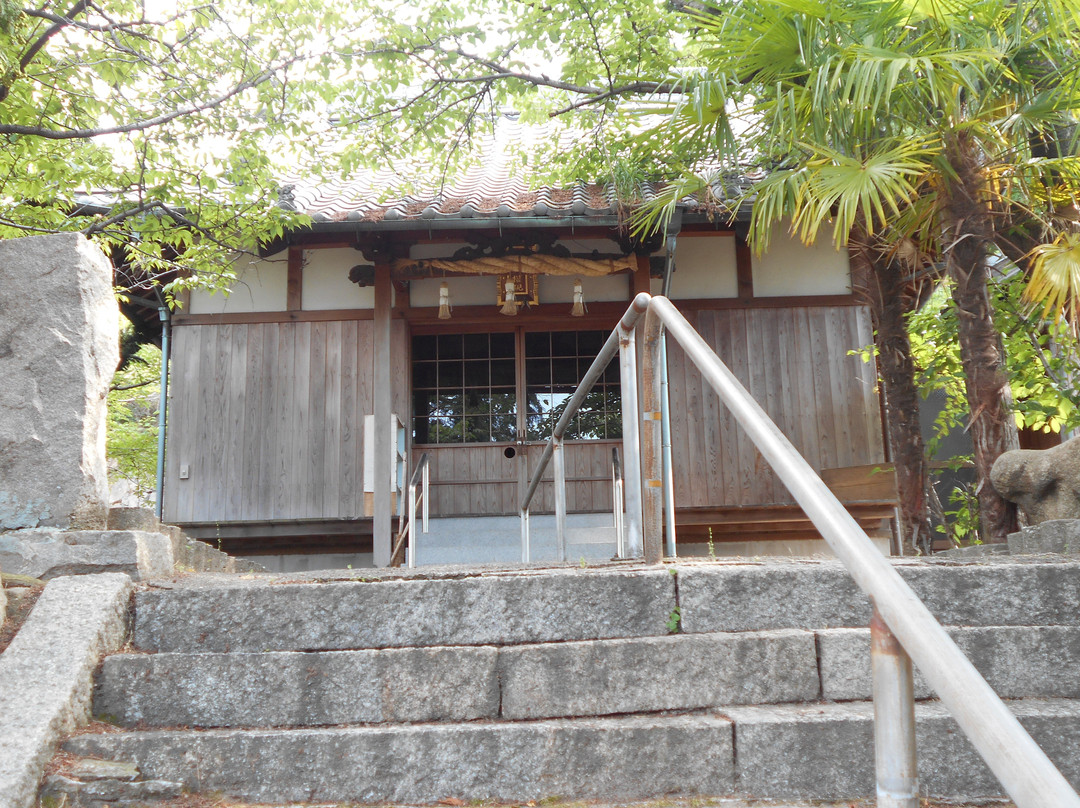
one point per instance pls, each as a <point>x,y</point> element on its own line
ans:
<point>868,492</point>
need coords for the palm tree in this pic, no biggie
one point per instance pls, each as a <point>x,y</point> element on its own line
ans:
<point>910,122</point>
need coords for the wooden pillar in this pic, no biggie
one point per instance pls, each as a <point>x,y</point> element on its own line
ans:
<point>384,439</point>
<point>295,282</point>
<point>744,268</point>
<point>641,280</point>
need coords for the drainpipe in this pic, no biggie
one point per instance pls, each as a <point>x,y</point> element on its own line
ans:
<point>665,409</point>
<point>163,315</point>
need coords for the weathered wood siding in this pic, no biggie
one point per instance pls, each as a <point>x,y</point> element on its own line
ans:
<point>794,362</point>
<point>479,479</point>
<point>268,420</point>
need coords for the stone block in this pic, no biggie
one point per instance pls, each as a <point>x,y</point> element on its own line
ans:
<point>1017,661</point>
<point>86,769</point>
<point>1058,536</point>
<point>638,757</point>
<point>134,519</point>
<point>48,553</point>
<point>58,786</point>
<point>3,601</point>
<point>681,672</point>
<point>749,597</point>
<point>46,673</point>
<point>820,594</point>
<point>826,751</point>
<point>254,615</point>
<point>299,689</point>
<point>59,348</point>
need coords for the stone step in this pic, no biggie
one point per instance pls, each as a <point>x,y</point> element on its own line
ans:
<point>995,591</point>
<point>607,677</point>
<point>551,680</point>
<point>826,751</point>
<point>614,758</point>
<point>528,606</point>
<point>1017,661</point>
<point>809,751</point>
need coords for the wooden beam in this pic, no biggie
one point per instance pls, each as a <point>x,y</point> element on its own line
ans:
<point>294,290</point>
<point>254,317</point>
<point>381,370</point>
<point>642,281</point>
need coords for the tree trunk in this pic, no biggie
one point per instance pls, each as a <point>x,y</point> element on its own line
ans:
<point>890,300</point>
<point>968,232</point>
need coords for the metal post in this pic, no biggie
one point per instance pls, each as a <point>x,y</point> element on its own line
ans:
<point>894,719</point>
<point>631,443</point>
<point>412,527</point>
<point>558,461</point>
<point>424,491</point>
<point>665,436</point>
<point>617,506</point>
<point>525,537</point>
<point>651,442</point>
<point>163,403</point>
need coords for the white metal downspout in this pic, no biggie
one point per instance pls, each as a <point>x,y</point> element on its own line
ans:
<point>163,400</point>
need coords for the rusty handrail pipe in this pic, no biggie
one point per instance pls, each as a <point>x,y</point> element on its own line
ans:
<point>617,501</point>
<point>1024,770</point>
<point>419,478</point>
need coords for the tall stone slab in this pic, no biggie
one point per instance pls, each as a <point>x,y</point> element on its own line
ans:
<point>58,352</point>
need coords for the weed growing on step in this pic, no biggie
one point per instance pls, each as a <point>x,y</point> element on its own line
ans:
<point>712,547</point>
<point>673,621</point>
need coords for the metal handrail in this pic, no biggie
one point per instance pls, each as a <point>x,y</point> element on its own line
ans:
<point>406,526</point>
<point>617,500</point>
<point>622,339</point>
<point>902,622</point>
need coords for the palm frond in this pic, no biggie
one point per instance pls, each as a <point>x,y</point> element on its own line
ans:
<point>1055,278</point>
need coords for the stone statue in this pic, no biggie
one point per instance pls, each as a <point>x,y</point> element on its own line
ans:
<point>1044,483</point>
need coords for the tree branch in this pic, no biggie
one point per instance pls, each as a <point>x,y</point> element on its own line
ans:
<point>118,387</point>
<point>41,41</point>
<point>147,123</point>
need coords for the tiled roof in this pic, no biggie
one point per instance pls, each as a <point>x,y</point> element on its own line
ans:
<point>491,188</point>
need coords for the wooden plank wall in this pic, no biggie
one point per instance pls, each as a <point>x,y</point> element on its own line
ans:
<point>478,479</point>
<point>268,419</point>
<point>472,479</point>
<point>794,362</point>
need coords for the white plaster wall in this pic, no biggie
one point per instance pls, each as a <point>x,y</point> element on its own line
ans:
<point>476,291</point>
<point>560,288</point>
<point>704,268</point>
<point>791,268</point>
<point>326,283</point>
<point>260,286</point>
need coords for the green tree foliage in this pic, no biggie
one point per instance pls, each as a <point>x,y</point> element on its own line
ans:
<point>1044,379</point>
<point>132,426</point>
<point>917,122</point>
<point>165,130</point>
